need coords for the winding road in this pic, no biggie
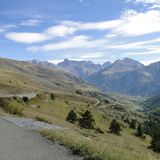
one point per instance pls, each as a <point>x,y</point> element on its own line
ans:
<point>23,144</point>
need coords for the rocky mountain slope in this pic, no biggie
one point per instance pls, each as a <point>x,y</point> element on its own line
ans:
<point>21,76</point>
<point>82,68</point>
<point>126,76</point>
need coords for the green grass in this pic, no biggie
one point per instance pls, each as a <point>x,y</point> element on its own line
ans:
<point>43,119</point>
<point>104,147</point>
<point>79,145</point>
<point>88,143</point>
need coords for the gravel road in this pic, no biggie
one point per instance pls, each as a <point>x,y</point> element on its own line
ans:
<point>30,123</point>
<point>22,144</point>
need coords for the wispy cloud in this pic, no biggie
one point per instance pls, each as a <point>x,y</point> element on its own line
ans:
<point>73,43</point>
<point>131,23</point>
<point>147,62</point>
<point>25,37</point>
<point>5,28</point>
<point>49,33</point>
<point>151,4</point>
<point>31,22</point>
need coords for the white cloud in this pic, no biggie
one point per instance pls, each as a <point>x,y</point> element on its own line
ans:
<point>140,24</point>
<point>60,31</point>
<point>148,1</point>
<point>31,22</point>
<point>145,2</point>
<point>103,25</point>
<point>91,55</point>
<point>50,33</point>
<point>147,62</point>
<point>55,61</point>
<point>24,37</point>
<point>131,23</point>
<point>73,43</point>
<point>4,28</point>
<point>151,4</point>
<point>133,45</point>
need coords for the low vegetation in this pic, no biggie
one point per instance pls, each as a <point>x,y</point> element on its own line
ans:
<point>95,132</point>
<point>43,119</point>
<point>11,108</point>
<point>115,127</point>
<point>72,117</point>
<point>87,121</point>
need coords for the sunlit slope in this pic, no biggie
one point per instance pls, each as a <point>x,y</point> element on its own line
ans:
<point>20,76</point>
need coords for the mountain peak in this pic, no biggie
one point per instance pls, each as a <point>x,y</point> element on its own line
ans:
<point>44,63</point>
<point>80,68</point>
<point>123,65</point>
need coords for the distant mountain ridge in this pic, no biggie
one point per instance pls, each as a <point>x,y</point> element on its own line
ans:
<point>22,76</point>
<point>123,65</point>
<point>82,68</point>
<point>126,76</point>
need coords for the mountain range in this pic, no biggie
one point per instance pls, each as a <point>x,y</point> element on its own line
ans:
<point>126,76</point>
<point>82,68</point>
<point>22,76</point>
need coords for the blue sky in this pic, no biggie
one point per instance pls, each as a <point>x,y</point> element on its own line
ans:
<point>97,30</point>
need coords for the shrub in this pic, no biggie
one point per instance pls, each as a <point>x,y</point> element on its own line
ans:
<point>155,142</point>
<point>87,121</point>
<point>133,124</point>
<point>72,117</point>
<point>25,99</point>
<point>140,132</point>
<point>99,130</point>
<point>79,92</point>
<point>15,110</point>
<point>52,96</point>
<point>115,127</point>
<point>106,101</point>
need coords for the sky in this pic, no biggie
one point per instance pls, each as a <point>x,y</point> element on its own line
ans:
<point>96,30</point>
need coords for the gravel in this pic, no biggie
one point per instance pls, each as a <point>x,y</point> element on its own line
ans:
<point>23,144</point>
<point>29,123</point>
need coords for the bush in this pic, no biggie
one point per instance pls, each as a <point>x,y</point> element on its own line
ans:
<point>115,127</point>
<point>87,121</point>
<point>99,130</point>
<point>25,99</point>
<point>139,132</point>
<point>155,142</point>
<point>79,92</point>
<point>72,117</point>
<point>133,124</point>
<point>15,110</point>
<point>9,108</point>
<point>52,96</point>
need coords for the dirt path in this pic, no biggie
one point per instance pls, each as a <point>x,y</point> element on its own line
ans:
<point>23,144</point>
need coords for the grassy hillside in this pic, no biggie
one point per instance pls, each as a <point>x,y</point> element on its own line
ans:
<point>152,104</point>
<point>105,145</point>
<point>21,77</point>
<point>71,93</point>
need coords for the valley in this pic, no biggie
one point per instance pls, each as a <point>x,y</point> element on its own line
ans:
<point>125,76</point>
<point>48,93</point>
